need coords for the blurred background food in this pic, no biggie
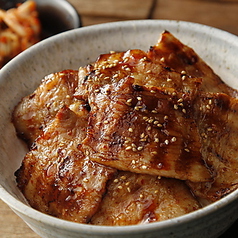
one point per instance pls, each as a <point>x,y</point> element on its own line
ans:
<point>19,29</point>
<point>24,23</point>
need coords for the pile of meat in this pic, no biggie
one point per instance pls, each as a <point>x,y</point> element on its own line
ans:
<point>135,137</point>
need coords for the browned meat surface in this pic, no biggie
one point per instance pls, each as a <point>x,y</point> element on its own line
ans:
<point>33,113</point>
<point>138,199</point>
<point>217,122</point>
<point>136,64</point>
<point>145,130</point>
<point>57,178</point>
<point>170,51</point>
<point>105,137</point>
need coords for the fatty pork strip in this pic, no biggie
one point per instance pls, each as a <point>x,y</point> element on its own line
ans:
<point>172,53</point>
<point>139,199</point>
<point>56,177</point>
<point>145,130</point>
<point>217,122</point>
<point>110,68</point>
<point>34,112</point>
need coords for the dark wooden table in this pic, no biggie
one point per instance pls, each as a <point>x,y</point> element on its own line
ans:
<point>222,14</point>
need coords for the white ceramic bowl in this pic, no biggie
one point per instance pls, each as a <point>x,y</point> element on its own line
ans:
<point>76,48</point>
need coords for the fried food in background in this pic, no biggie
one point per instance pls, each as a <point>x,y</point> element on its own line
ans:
<point>19,29</point>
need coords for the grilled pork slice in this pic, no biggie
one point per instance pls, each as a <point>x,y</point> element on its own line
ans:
<point>217,122</point>
<point>170,51</point>
<point>138,199</point>
<point>34,112</point>
<point>111,68</point>
<point>57,178</point>
<point>145,130</point>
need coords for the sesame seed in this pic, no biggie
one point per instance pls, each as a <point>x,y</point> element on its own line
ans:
<point>85,180</point>
<point>208,107</point>
<point>173,139</point>
<point>127,183</point>
<point>183,72</point>
<point>141,196</point>
<point>106,122</point>
<point>180,100</point>
<point>154,111</point>
<point>176,107</point>
<point>154,152</point>
<point>169,80</point>
<point>183,77</point>
<point>159,125</point>
<point>209,129</point>
<point>119,187</point>
<point>127,69</point>
<point>127,141</point>
<point>187,150</point>
<point>67,96</point>
<point>136,108</point>
<point>123,177</point>
<point>166,117</point>
<point>156,139</point>
<point>128,148</point>
<point>96,90</point>
<point>210,102</point>
<point>156,191</point>
<point>148,71</point>
<point>133,162</point>
<point>151,120</point>
<point>142,135</point>
<point>144,167</point>
<point>152,91</point>
<point>156,122</point>
<point>162,59</point>
<point>129,100</point>
<point>128,189</point>
<point>140,148</point>
<point>149,128</point>
<point>130,129</point>
<point>115,180</point>
<point>184,110</point>
<point>139,98</point>
<point>166,142</point>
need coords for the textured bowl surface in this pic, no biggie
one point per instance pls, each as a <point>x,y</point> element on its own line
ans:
<point>76,48</point>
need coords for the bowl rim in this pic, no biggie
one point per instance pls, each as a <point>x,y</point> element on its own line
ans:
<point>21,208</point>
